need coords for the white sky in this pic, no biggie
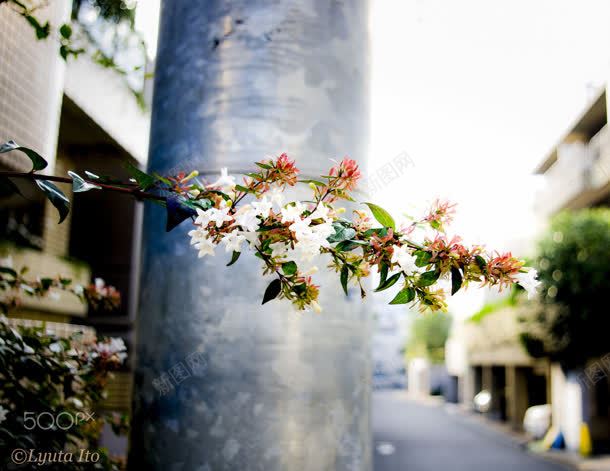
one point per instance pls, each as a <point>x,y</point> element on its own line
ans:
<point>476,92</point>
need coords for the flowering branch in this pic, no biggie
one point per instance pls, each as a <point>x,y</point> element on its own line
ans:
<point>288,235</point>
<point>14,283</point>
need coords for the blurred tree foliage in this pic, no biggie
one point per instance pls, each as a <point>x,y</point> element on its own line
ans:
<point>573,324</point>
<point>428,335</point>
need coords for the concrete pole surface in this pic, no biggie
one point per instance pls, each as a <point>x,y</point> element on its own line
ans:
<point>223,383</point>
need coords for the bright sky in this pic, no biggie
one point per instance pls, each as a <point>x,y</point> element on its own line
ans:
<point>476,92</point>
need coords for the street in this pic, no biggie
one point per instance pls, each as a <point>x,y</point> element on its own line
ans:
<point>411,436</point>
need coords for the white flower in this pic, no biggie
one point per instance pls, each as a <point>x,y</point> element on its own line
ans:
<point>203,217</point>
<point>262,206</point>
<point>323,232</point>
<point>301,228</point>
<point>116,346</point>
<point>205,247</point>
<point>246,217</point>
<point>292,212</point>
<point>528,281</point>
<point>197,235</point>
<point>219,215</point>
<point>3,414</point>
<point>402,256</point>
<point>277,196</point>
<point>224,180</point>
<point>278,249</point>
<point>233,241</point>
<point>321,212</point>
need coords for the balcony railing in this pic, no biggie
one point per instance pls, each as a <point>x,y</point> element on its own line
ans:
<point>580,176</point>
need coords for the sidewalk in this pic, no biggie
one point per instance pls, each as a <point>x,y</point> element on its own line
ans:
<point>569,459</point>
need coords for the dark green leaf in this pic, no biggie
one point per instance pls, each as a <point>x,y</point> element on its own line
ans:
<point>341,233</point>
<point>9,271</point>
<point>391,281</point>
<point>66,31</point>
<point>272,291</point>
<point>348,245</point>
<point>382,216</point>
<point>263,165</point>
<point>344,278</point>
<point>143,179</point>
<point>42,31</point>
<point>63,52</point>
<point>404,296</point>
<point>429,278</point>
<point>56,197</point>
<point>422,258</point>
<point>8,188</point>
<point>79,185</point>
<point>480,262</point>
<point>234,258</point>
<point>289,268</point>
<point>177,212</point>
<point>38,163</point>
<point>383,274</point>
<point>456,280</point>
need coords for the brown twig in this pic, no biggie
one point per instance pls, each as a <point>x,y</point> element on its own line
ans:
<point>135,192</point>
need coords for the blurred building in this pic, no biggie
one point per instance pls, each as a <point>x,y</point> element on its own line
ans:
<point>485,353</point>
<point>79,116</point>
<point>576,175</point>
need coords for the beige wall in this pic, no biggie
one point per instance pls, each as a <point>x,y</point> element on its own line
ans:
<point>31,83</point>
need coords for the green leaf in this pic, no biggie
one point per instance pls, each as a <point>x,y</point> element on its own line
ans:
<point>42,31</point>
<point>382,216</point>
<point>341,233</point>
<point>8,271</point>
<point>480,261</point>
<point>79,185</point>
<point>38,163</point>
<point>234,258</point>
<point>177,211</point>
<point>56,197</point>
<point>391,281</point>
<point>143,179</point>
<point>422,258</point>
<point>8,188</point>
<point>383,274</point>
<point>348,245</point>
<point>63,52</point>
<point>344,278</point>
<point>272,291</point>
<point>289,268</point>
<point>315,182</point>
<point>66,31</point>
<point>263,165</point>
<point>404,296</point>
<point>429,278</point>
<point>456,280</point>
<point>242,188</point>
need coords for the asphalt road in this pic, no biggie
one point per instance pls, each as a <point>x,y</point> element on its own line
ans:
<point>410,436</point>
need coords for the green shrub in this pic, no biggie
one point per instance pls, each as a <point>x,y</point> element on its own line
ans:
<point>574,267</point>
<point>50,389</point>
